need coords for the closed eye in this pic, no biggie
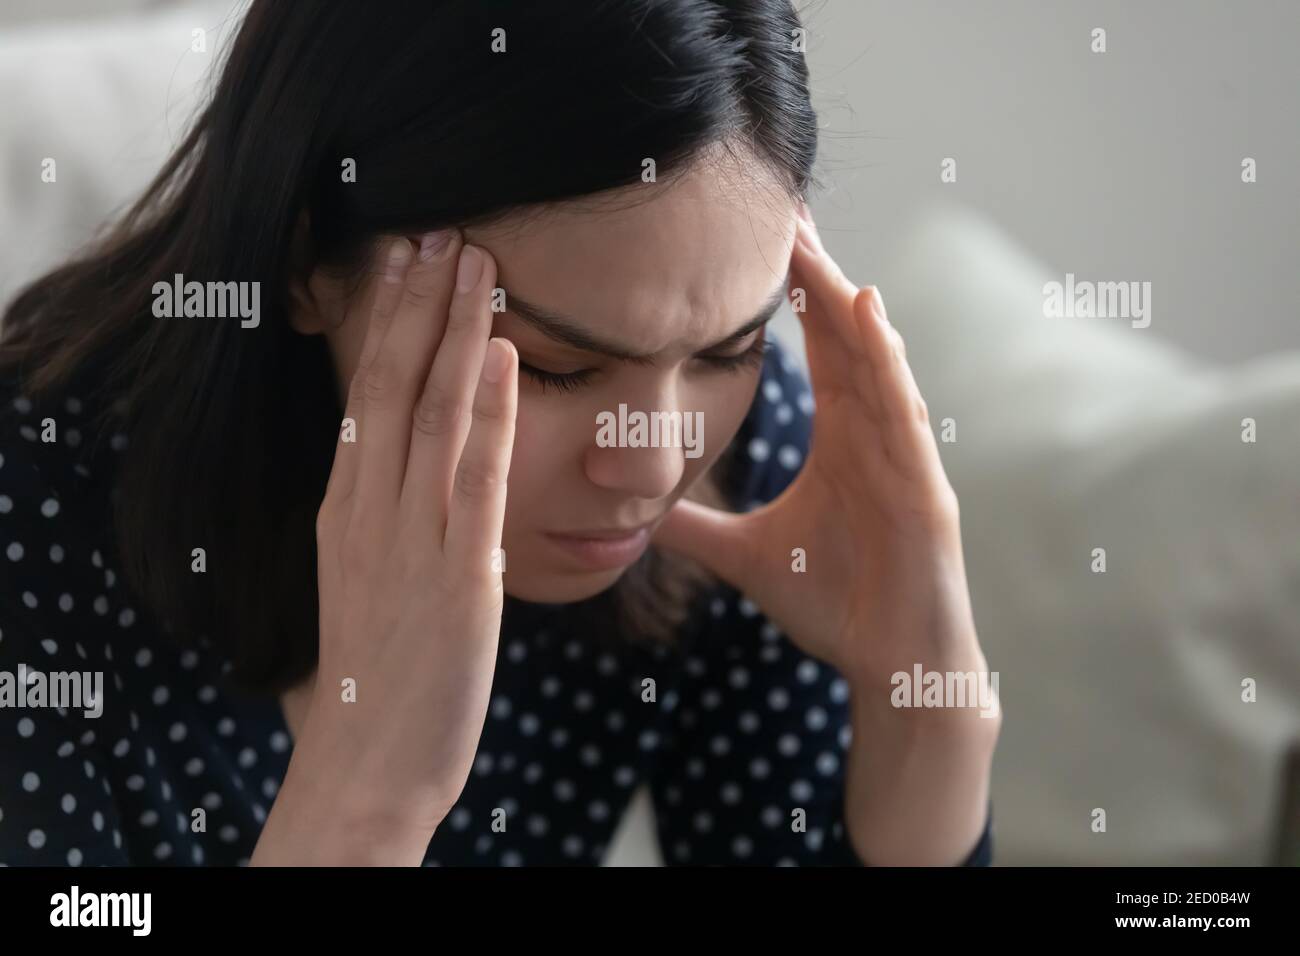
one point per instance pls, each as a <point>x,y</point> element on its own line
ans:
<point>751,357</point>
<point>560,381</point>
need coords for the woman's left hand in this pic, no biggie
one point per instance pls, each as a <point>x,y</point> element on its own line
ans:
<point>871,511</point>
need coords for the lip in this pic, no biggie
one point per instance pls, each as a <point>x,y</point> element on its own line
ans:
<point>604,534</point>
<point>602,549</point>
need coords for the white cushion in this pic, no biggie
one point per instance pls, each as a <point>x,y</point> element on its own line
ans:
<point>1121,690</point>
<point>107,99</point>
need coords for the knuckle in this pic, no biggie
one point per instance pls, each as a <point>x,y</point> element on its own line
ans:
<point>385,301</point>
<point>382,315</point>
<point>477,571</point>
<point>488,413</point>
<point>417,293</point>
<point>401,564</point>
<point>382,380</point>
<point>461,316</point>
<point>475,482</point>
<point>353,556</point>
<point>438,412</point>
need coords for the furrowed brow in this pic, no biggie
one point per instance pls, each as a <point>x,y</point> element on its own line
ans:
<point>563,329</point>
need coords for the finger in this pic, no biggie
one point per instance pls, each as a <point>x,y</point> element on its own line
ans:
<point>895,382</point>
<point>858,315</point>
<point>830,292</point>
<point>835,370</point>
<point>378,305</point>
<point>904,410</point>
<point>442,417</point>
<point>478,501</point>
<point>395,377</point>
<point>715,539</point>
<point>866,344</point>
<point>882,378</point>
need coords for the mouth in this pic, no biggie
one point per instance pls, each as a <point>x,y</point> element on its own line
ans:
<point>604,534</point>
<point>602,549</point>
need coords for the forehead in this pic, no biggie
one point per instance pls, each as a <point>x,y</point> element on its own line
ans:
<point>653,263</point>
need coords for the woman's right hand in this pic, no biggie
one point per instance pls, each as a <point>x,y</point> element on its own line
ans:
<point>410,591</point>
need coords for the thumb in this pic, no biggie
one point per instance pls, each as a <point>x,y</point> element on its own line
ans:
<point>716,539</point>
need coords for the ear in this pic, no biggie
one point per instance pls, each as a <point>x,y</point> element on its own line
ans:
<point>314,303</point>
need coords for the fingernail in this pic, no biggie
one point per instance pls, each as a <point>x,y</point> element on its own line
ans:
<point>399,254</point>
<point>494,363</point>
<point>433,243</point>
<point>470,268</point>
<point>878,306</point>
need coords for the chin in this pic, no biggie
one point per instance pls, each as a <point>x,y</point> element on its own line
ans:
<point>559,588</point>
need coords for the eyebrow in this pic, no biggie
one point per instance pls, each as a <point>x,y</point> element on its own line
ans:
<point>563,329</point>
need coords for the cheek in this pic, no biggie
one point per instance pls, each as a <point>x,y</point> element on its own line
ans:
<point>724,400</point>
<point>546,459</point>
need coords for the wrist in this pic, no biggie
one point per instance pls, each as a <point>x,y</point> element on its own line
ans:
<point>957,702</point>
<point>312,825</point>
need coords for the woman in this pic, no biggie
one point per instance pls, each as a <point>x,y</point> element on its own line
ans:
<point>463,235</point>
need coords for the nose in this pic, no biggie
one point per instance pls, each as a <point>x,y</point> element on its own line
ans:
<point>631,464</point>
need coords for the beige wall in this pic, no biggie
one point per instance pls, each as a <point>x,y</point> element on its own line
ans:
<point>1116,166</point>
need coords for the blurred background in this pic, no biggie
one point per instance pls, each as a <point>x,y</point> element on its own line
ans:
<point>1122,690</point>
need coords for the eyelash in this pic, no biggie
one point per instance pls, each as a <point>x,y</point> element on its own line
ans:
<point>752,357</point>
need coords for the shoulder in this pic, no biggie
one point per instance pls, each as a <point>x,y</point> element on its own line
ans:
<point>55,535</point>
<point>59,444</point>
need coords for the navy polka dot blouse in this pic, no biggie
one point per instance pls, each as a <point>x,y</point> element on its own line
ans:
<point>746,728</point>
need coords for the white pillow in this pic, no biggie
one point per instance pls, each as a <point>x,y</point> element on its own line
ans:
<point>1122,690</point>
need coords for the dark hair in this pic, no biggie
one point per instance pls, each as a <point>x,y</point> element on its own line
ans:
<point>233,429</point>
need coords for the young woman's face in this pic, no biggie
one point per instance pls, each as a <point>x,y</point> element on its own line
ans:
<point>669,283</point>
